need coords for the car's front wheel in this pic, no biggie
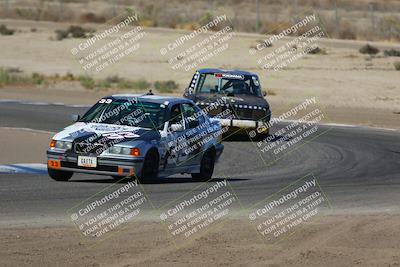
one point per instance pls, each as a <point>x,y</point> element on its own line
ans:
<point>206,166</point>
<point>59,175</point>
<point>150,167</point>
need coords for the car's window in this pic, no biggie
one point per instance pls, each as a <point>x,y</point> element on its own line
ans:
<point>208,84</point>
<point>126,112</point>
<point>240,85</point>
<point>176,115</point>
<point>191,116</point>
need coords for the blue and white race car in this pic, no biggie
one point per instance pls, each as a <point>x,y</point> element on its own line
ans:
<point>138,136</point>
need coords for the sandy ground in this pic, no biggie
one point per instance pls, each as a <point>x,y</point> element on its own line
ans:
<point>340,240</point>
<point>23,145</point>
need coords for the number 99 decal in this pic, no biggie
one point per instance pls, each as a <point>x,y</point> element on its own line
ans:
<point>105,101</point>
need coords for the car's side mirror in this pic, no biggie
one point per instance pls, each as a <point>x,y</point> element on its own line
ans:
<point>176,127</point>
<point>264,93</point>
<point>75,117</point>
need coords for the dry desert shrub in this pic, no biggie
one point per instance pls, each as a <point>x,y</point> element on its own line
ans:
<point>91,17</point>
<point>369,49</point>
<point>392,53</point>
<point>389,27</point>
<point>6,31</point>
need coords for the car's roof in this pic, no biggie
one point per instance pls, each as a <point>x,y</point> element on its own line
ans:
<point>159,99</point>
<point>238,72</point>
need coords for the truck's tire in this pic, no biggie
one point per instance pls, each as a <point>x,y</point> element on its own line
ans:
<point>59,175</point>
<point>206,166</point>
<point>150,167</point>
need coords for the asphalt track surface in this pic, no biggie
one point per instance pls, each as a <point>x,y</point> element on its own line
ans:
<point>358,168</point>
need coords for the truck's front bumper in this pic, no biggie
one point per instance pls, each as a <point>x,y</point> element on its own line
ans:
<point>262,127</point>
<point>105,165</point>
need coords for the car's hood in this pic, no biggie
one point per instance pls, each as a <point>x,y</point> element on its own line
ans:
<point>92,132</point>
<point>233,100</point>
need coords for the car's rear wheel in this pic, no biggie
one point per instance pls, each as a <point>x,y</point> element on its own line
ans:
<point>150,167</point>
<point>206,166</point>
<point>59,175</point>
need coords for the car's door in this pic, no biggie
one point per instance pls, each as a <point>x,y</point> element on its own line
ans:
<point>196,133</point>
<point>175,136</point>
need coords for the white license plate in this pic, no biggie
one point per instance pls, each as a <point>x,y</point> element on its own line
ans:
<point>84,161</point>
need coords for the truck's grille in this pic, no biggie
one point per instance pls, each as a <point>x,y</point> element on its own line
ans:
<point>237,111</point>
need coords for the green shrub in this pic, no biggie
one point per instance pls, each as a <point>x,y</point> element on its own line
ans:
<point>165,86</point>
<point>37,78</point>
<point>6,31</point>
<point>4,77</point>
<point>7,77</point>
<point>392,53</point>
<point>397,65</point>
<point>74,32</point>
<point>369,49</point>
<point>68,77</point>
<point>77,31</point>
<point>61,34</point>
<point>114,79</point>
<point>87,81</point>
<point>104,84</point>
<point>140,84</point>
<point>316,50</point>
<point>125,84</point>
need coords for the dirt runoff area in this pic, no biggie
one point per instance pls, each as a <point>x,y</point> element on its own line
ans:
<point>334,240</point>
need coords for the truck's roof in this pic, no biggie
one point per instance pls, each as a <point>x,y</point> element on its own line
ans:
<point>238,72</point>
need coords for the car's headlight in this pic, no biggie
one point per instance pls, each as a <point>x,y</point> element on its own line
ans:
<point>119,150</point>
<point>59,144</point>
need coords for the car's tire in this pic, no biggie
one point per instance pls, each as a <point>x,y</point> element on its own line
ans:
<point>59,175</point>
<point>150,167</point>
<point>206,166</point>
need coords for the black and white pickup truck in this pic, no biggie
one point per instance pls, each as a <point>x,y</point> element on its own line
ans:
<point>235,97</point>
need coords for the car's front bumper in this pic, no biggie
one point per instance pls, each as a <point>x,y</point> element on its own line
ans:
<point>114,166</point>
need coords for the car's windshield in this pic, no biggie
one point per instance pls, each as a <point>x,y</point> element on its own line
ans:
<point>126,112</point>
<point>229,84</point>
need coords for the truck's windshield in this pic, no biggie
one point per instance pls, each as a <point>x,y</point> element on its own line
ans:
<point>229,84</point>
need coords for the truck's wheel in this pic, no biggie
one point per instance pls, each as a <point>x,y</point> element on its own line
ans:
<point>261,136</point>
<point>59,175</point>
<point>150,167</point>
<point>206,166</point>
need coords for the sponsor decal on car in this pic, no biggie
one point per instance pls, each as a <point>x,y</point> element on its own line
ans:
<point>229,76</point>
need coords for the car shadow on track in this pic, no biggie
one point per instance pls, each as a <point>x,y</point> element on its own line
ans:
<point>169,180</point>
